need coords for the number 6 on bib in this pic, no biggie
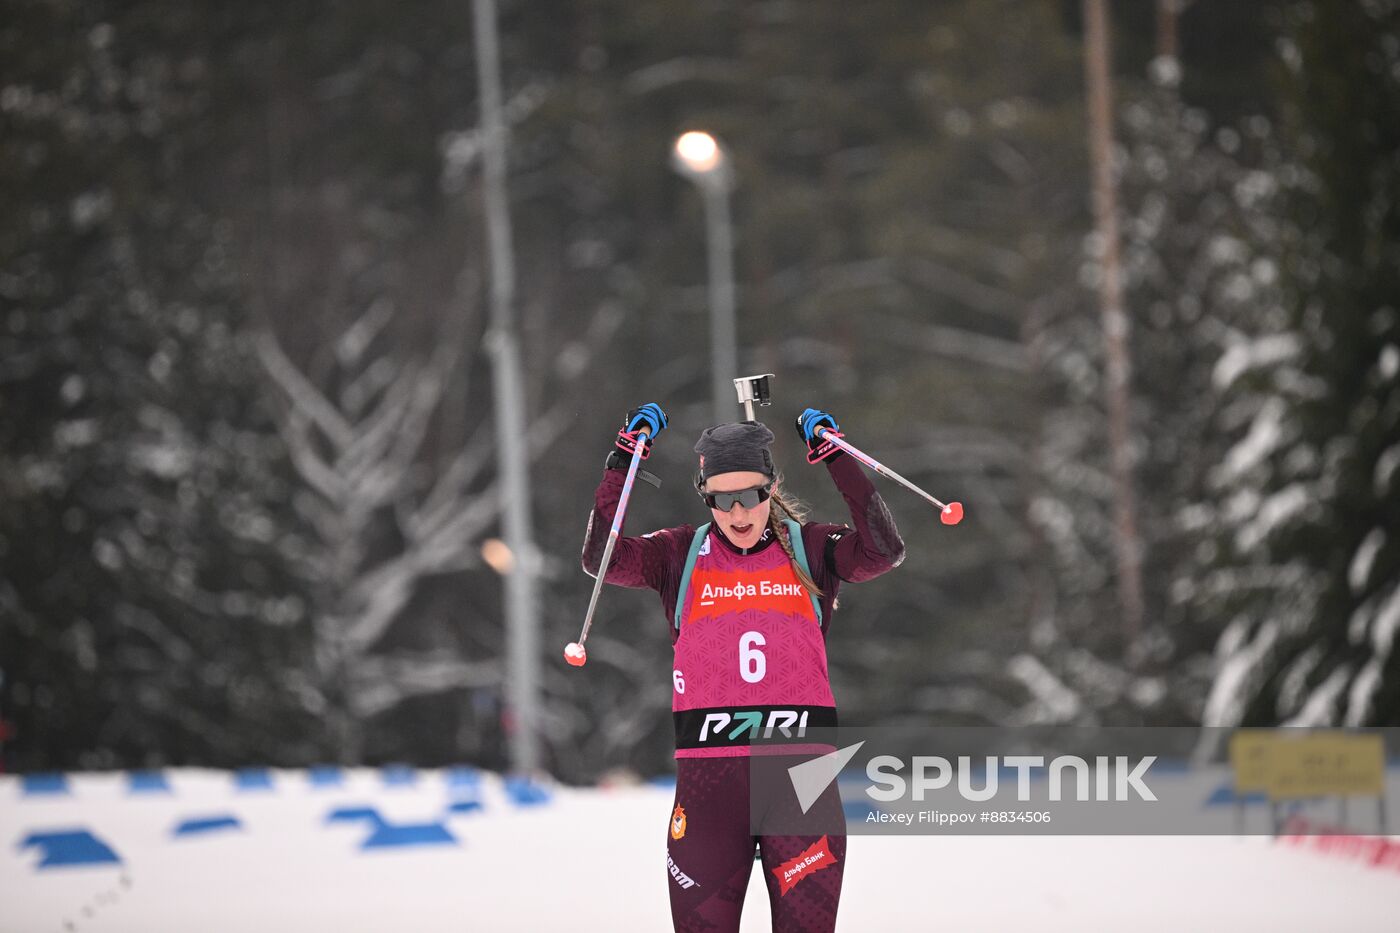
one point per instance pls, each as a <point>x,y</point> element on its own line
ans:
<point>752,664</point>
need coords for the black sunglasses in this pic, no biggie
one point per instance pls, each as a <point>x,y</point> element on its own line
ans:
<point>748,498</point>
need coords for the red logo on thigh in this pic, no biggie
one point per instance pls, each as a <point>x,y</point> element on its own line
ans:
<point>816,857</point>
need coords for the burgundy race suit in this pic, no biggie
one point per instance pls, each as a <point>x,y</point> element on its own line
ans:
<point>748,643</point>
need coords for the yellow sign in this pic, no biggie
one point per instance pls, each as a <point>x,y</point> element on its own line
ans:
<point>1287,765</point>
<point>1326,765</point>
<point>1249,759</point>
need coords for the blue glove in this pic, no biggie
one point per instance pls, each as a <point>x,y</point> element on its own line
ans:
<point>817,447</point>
<point>649,417</point>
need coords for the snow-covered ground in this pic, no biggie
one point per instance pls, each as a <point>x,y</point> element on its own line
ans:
<point>460,851</point>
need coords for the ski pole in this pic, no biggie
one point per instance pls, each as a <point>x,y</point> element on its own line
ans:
<point>949,514</point>
<point>575,653</point>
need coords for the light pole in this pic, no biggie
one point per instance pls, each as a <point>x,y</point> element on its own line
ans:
<point>521,719</point>
<point>699,157</point>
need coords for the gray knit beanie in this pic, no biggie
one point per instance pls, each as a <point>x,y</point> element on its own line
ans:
<point>733,447</point>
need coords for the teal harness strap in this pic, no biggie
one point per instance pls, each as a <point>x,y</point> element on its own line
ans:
<point>799,551</point>
<point>700,534</point>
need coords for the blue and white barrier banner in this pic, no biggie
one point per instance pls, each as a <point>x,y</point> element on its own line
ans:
<point>54,820</point>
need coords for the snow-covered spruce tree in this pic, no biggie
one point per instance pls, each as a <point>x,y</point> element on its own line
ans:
<point>1199,231</point>
<point>1308,576</point>
<point>1202,256</point>
<point>146,615</point>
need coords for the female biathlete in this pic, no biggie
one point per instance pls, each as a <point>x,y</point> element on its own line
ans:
<point>748,598</point>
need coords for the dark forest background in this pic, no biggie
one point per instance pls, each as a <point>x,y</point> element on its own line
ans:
<point>246,461</point>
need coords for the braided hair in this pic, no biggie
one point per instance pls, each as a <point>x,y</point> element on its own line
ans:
<point>794,509</point>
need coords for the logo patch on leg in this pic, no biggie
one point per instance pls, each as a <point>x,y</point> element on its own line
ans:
<point>816,857</point>
<point>678,823</point>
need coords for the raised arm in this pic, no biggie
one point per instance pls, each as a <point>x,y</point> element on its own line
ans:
<point>636,562</point>
<point>871,545</point>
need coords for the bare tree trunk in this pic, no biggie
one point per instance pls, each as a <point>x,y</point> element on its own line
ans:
<point>1115,320</point>
<point>1168,12</point>
<point>522,614</point>
<point>1040,614</point>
